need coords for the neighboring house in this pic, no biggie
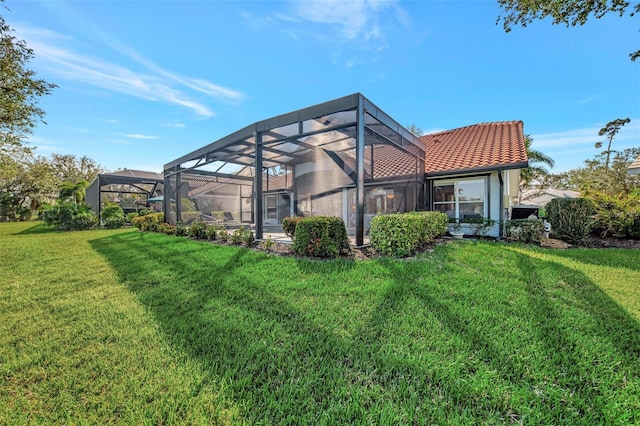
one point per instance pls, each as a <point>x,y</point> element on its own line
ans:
<point>346,158</point>
<point>473,172</point>
<point>540,197</point>
<point>131,189</point>
<point>634,168</point>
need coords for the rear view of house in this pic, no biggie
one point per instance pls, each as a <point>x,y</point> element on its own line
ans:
<point>345,158</point>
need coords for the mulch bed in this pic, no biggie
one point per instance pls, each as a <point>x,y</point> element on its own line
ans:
<point>368,252</point>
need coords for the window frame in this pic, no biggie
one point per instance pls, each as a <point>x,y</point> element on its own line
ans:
<point>456,201</point>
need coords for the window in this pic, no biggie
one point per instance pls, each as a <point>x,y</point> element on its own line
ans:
<point>461,199</point>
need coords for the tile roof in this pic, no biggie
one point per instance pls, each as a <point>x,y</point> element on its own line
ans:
<point>634,168</point>
<point>484,146</point>
<point>389,161</point>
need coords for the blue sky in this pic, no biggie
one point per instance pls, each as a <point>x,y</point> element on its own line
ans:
<point>144,82</point>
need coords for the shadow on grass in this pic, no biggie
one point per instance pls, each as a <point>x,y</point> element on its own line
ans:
<point>433,344</point>
<point>37,228</point>
<point>565,354</point>
<point>611,257</point>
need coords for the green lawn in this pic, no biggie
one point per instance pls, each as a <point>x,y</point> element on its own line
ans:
<point>139,328</point>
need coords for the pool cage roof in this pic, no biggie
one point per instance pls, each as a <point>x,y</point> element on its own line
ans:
<point>339,129</point>
<point>123,182</point>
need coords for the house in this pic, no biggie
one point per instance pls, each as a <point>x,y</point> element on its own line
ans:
<point>634,168</point>
<point>350,159</point>
<point>473,172</point>
<point>541,197</point>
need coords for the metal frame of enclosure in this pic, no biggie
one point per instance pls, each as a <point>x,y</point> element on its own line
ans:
<point>131,189</point>
<point>344,158</point>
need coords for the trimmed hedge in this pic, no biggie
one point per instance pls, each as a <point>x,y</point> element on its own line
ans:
<point>289,226</point>
<point>321,236</point>
<point>571,219</point>
<point>402,234</point>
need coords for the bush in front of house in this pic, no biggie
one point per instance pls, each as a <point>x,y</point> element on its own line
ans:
<point>434,225</point>
<point>402,234</point>
<point>130,216</point>
<point>617,216</point>
<point>528,231</point>
<point>113,216</point>
<point>289,226</point>
<point>66,215</point>
<point>198,230</point>
<point>571,219</point>
<point>321,236</point>
<point>211,232</point>
<point>148,222</point>
<point>242,235</point>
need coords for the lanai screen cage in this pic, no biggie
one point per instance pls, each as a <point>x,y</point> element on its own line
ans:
<point>130,189</point>
<point>344,158</point>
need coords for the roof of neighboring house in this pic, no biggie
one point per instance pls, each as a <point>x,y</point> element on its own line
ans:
<point>136,174</point>
<point>634,168</point>
<point>541,197</point>
<point>479,147</point>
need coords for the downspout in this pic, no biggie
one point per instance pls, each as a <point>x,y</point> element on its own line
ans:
<point>501,205</point>
<point>258,214</point>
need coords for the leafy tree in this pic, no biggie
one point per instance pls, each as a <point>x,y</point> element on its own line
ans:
<point>69,168</point>
<point>417,131</point>
<point>536,173</point>
<point>19,93</point>
<point>25,185</point>
<point>74,192</point>
<point>570,13</point>
<point>610,130</point>
<point>594,176</point>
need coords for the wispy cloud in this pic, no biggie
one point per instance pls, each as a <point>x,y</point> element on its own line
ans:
<point>153,83</point>
<point>360,25</point>
<point>588,100</point>
<point>174,125</point>
<point>586,136</point>
<point>139,136</point>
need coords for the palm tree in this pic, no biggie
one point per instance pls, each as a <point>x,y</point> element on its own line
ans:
<point>536,172</point>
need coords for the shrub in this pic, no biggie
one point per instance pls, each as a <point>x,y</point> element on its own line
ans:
<point>111,210</point>
<point>571,219</point>
<point>617,216</point>
<point>84,220</point>
<point>66,215</point>
<point>480,226</point>
<point>526,231</point>
<point>182,230</point>
<point>248,238</point>
<point>167,228</point>
<point>236,236</point>
<point>434,225</point>
<point>131,215</point>
<point>321,236</point>
<point>198,230</point>
<point>289,225</point>
<point>144,212</point>
<point>115,222</point>
<point>211,232</point>
<point>401,234</point>
<point>148,222</point>
<point>223,235</point>
<point>24,214</point>
<point>267,244</point>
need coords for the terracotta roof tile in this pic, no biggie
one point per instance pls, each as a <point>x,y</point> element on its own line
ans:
<point>391,162</point>
<point>476,147</point>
